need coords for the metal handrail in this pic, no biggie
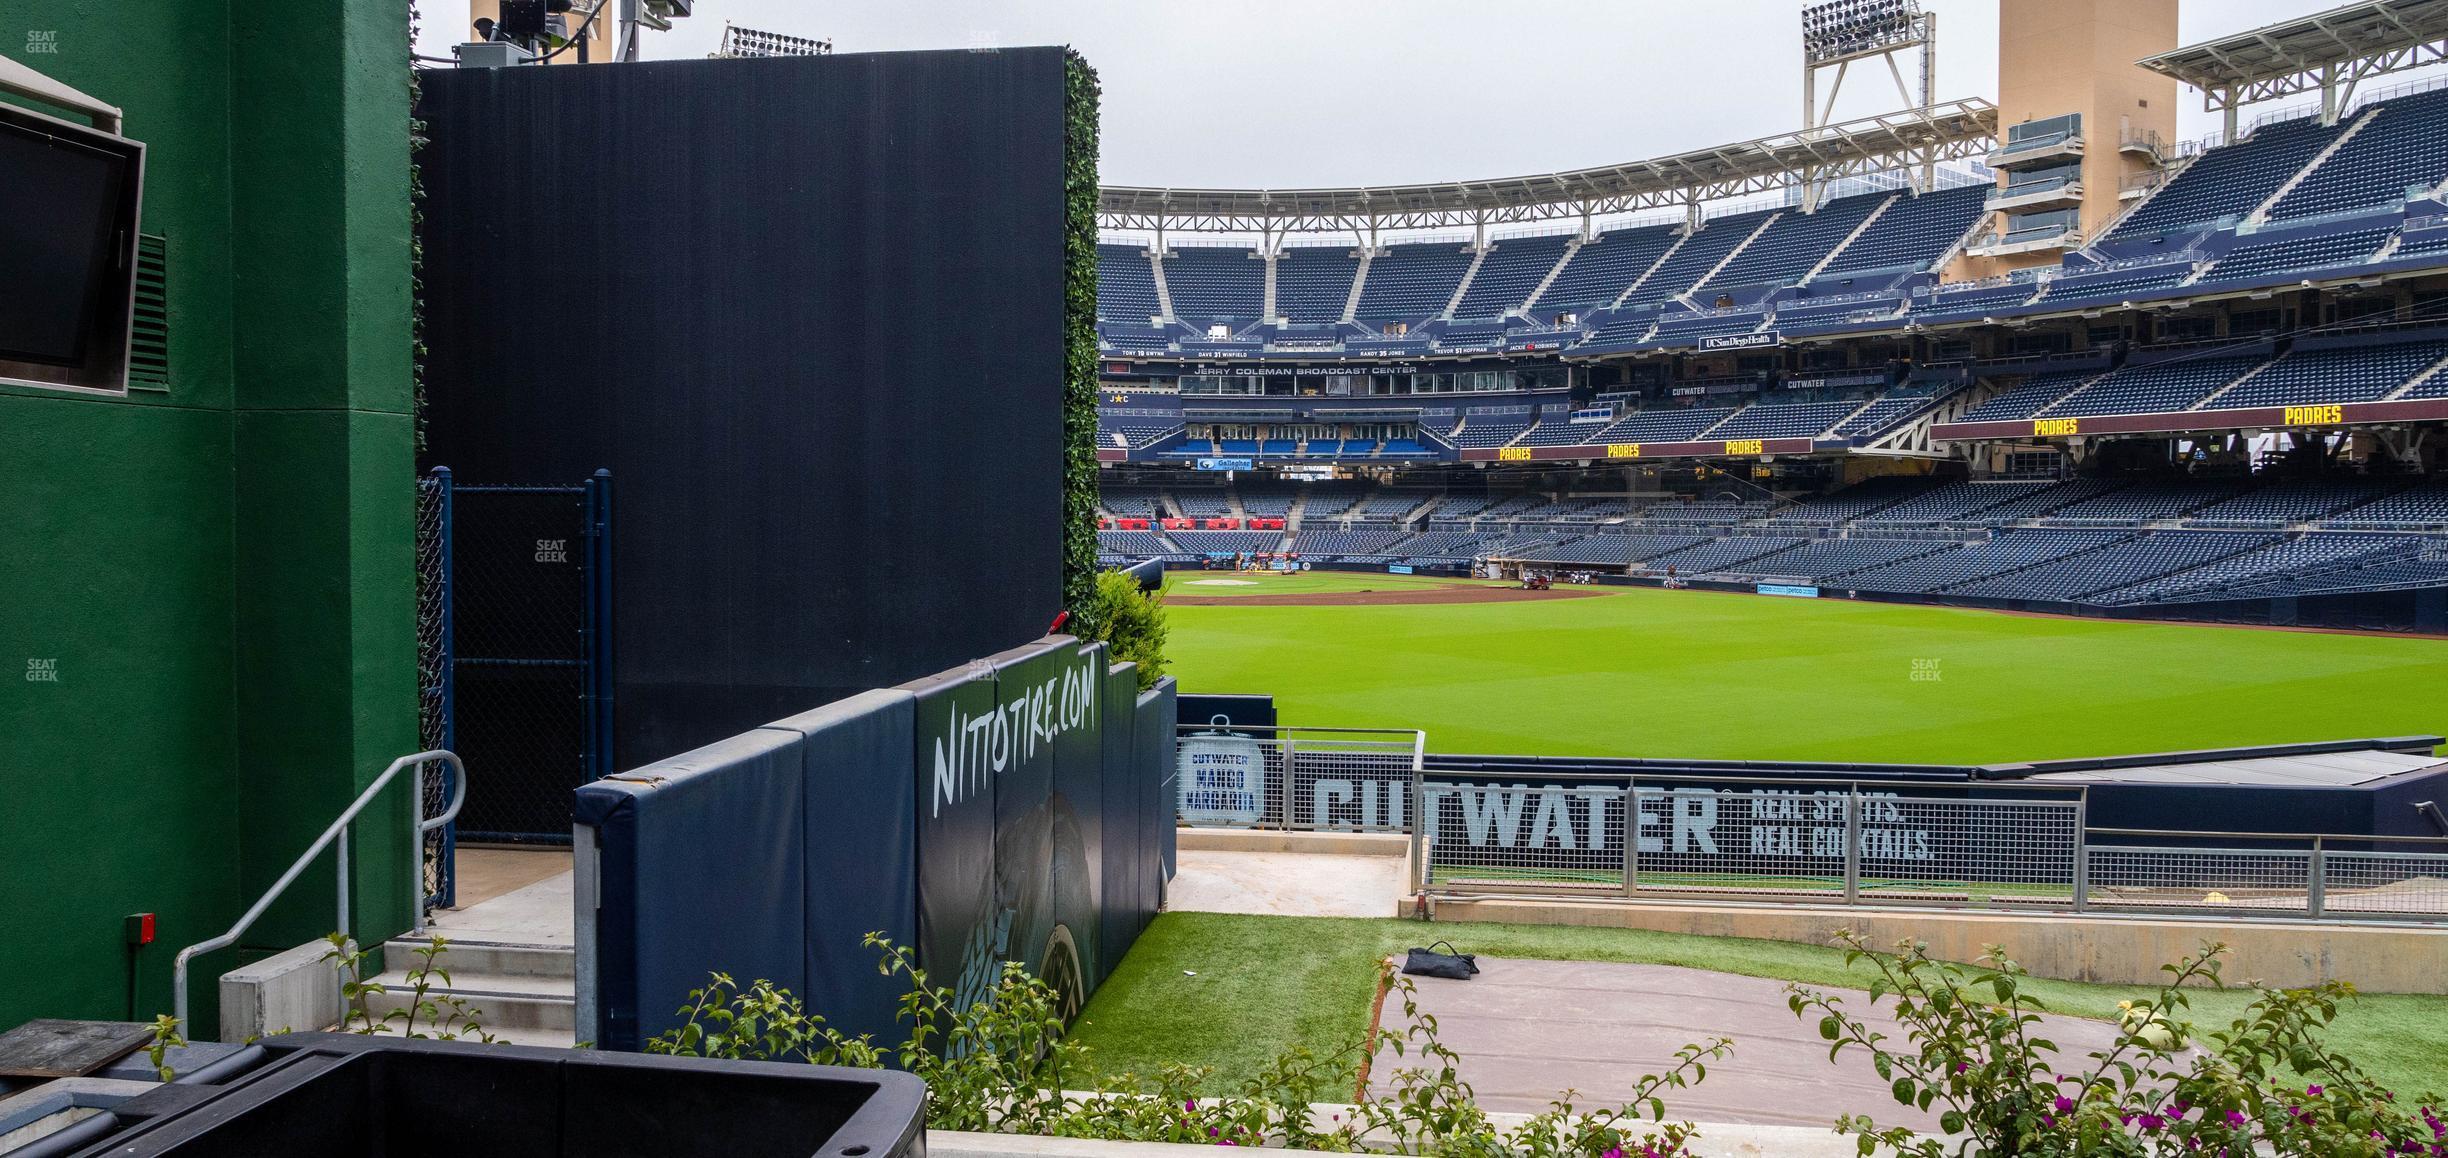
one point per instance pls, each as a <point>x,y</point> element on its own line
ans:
<point>338,830</point>
<point>2376,838</point>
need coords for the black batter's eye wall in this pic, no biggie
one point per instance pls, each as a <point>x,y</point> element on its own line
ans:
<point>811,314</point>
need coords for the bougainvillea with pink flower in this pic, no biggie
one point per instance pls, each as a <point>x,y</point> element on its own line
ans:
<point>2263,1084</point>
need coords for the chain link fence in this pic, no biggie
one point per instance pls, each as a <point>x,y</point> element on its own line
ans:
<point>519,608</point>
<point>434,676</point>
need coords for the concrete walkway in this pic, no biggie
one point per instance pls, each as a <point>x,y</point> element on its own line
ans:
<point>483,873</point>
<point>538,915</point>
<point>1528,1031</point>
<point>1288,874</point>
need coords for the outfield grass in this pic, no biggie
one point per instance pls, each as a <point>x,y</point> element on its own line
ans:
<point>1230,992</point>
<point>1647,672</point>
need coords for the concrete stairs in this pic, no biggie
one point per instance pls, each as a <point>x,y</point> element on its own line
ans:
<point>1685,295</point>
<point>1850,415</point>
<point>2169,173</point>
<point>1351,301</point>
<point>1164,293</point>
<point>2209,401</point>
<point>1540,290</point>
<point>2261,212</point>
<point>2434,371</point>
<point>1850,238</point>
<point>1266,305</point>
<point>1478,258</point>
<point>525,994</point>
<point>1654,266</point>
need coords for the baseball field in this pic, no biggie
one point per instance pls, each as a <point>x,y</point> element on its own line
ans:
<point>1647,672</point>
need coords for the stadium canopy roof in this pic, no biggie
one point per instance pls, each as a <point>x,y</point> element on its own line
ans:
<point>2328,52</point>
<point>1914,140</point>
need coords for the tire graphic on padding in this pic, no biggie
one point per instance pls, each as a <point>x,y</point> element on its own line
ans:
<point>1076,883</point>
<point>1061,971</point>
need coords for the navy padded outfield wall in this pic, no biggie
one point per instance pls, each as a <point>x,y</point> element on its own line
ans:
<point>1012,754</point>
<point>704,275</point>
<point>1017,808</point>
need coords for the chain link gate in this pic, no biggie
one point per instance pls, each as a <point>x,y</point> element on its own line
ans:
<point>434,670</point>
<point>526,692</point>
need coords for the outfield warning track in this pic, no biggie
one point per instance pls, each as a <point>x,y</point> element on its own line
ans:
<point>1391,597</point>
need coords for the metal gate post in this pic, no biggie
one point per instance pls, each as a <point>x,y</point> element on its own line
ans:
<point>1419,828</point>
<point>1852,848</point>
<point>2082,852</point>
<point>1281,788</point>
<point>1631,855</point>
<point>2316,896</point>
<point>596,635</point>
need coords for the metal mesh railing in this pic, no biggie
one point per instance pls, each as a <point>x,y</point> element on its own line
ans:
<point>1895,844</point>
<point>1984,845</point>
<point>2168,878</point>
<point>1326,779</point>
<point>2386,884</point>
<point>2276,875</point>
<point>2001,851</point>
<point>1818,841</point>
<point>1501,837</point>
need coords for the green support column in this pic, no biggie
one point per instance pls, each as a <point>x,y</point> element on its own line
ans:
<point>326,633</point>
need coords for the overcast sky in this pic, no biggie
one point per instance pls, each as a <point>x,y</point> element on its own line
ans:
<point>1287,93</point>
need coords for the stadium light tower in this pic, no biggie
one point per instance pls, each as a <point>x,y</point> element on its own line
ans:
<point>1838,32</point>
<point>752,42</point>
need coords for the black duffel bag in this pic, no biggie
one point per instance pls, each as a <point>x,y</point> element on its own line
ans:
<point>1453,966</point>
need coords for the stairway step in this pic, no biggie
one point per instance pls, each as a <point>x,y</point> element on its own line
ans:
<point>553,1038</point>
<point>473,957</point>
<point>496,1001</point>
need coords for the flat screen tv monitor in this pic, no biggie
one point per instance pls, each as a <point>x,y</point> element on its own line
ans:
<point>68,219</point>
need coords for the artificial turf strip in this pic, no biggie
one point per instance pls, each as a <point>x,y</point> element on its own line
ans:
<point>1266,984</point>
<point>1647,672</point>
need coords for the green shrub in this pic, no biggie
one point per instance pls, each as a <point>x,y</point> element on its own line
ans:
<point>1129,620</point>
<point>2264,1084</point>
<point>1001,1064</point>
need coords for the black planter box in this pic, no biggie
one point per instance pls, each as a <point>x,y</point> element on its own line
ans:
<point>330,1093</point>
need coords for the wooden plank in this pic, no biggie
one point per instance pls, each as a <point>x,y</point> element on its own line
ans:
<point>55,1048</point>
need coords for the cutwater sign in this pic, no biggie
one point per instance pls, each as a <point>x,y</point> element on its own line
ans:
<point>1766,830</point>
<point>1223,778</point>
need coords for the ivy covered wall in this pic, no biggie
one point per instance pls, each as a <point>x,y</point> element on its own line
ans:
<point>1080,344</point>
